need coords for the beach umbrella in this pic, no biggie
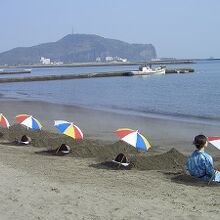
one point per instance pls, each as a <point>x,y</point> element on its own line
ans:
<point>29,121</point>
<point>215,141</point>
<point>134,138</point>
<point>3,121</point>
<point>69,129</point>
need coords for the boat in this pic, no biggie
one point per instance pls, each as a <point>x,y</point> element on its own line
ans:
<point>147,70</point>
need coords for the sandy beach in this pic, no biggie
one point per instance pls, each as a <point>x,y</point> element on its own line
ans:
<point>36,185</point>
<point>163,134</point>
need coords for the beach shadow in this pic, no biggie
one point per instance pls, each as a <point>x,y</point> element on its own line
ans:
<point>184,179</point>
<point>109,165</point>
<point>50,153</point>
<point>14,144</point>
<point>1,135</point>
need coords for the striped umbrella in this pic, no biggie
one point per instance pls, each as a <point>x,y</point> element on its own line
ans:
<point>133,138</point>
<point>29,121</point>
<point>4,121</point>
<point>69,129</point>
<point>215,141</point>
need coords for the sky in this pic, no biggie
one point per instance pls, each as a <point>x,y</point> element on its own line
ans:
<point>177,28</point>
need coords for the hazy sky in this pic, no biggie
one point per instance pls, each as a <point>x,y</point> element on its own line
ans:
<point>177,28</point>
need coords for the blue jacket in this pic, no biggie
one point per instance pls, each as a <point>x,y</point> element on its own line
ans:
<point>200,164</point>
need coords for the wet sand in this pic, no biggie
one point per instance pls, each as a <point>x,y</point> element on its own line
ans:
<point>36,185</point>
<point>163,134</point>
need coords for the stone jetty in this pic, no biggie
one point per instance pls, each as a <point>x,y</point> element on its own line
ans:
<point>84,75</point>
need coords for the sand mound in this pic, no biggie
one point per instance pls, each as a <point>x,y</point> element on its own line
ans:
<point>171,160</point>
<point>91,148</point>
<point>79,148</point>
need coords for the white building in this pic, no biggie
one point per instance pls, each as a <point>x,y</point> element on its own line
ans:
<point>45,61</point>
<point>123,60</point>
<point>109,59</point>
<point>116,59</point>
<point>98,59</point>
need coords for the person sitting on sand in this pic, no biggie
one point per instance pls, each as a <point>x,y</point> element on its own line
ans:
<point>200,164</point>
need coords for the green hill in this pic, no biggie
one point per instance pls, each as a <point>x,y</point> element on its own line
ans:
<point>79,48</point>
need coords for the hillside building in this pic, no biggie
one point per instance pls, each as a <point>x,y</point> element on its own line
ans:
<point>45,61</point>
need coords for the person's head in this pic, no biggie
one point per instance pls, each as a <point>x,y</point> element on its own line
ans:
<point>200,141</point>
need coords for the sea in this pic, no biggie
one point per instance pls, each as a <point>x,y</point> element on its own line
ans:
<point>188,97</point>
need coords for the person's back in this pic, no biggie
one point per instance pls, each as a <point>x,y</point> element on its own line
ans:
<point>200,164</point>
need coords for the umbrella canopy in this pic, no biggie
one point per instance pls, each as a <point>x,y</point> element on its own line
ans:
<point>69,129</point>
<point>133,138</point>
<point>29,121</point>
<point>215,141</point>
<point>3,121</point>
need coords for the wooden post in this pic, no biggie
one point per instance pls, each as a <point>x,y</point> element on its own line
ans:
<point>213,176</point>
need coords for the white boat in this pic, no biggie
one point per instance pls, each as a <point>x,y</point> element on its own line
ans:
<point>147,70</point>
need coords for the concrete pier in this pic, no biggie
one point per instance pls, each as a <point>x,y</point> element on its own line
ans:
<point>84,75</point>
<point>8,72</point>
<point>179,70</point>
<point>64,77</point>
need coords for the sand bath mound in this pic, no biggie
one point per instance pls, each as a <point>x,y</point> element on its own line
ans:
<point>43,138</point>
<point>90,148</point>
<point>112,150</point>
<point>171,160</point>
<point>1,135</point>
<point>79,148</point>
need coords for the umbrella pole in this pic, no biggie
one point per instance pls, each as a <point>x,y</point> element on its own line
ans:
<point>58,149</point>
<point>211,179</point>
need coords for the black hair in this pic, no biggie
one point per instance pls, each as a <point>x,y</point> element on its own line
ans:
<point>200,141</point>
<point>24,138</point>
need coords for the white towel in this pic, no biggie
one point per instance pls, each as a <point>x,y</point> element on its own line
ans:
<point>123,164</point>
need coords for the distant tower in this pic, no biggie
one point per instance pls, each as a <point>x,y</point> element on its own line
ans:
<point>72,31</point>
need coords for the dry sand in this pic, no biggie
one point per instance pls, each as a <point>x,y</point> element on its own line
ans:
<point>82,185</point>
<point>35,186</point>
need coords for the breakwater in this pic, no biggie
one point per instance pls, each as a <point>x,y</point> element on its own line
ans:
<point>65,77</point>
<point>84,75</point>
<point>179,70</point>
<point>5,72</point>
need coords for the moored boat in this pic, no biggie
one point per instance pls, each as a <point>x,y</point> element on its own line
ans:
<point>147,70</point>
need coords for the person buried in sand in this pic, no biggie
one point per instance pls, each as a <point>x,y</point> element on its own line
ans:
<point>200,164</point>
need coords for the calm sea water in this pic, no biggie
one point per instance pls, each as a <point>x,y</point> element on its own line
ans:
<point>193,96</point>
<point>67,70</point>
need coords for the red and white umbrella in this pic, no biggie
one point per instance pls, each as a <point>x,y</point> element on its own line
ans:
<point>29,121</point>
<point>215,141</point>
<point>134,138</point>
<point>4,121</point>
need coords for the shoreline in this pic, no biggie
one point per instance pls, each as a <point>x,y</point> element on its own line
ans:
<point>202,120</point>
<point>91,64</point>
<point>100,125</point>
